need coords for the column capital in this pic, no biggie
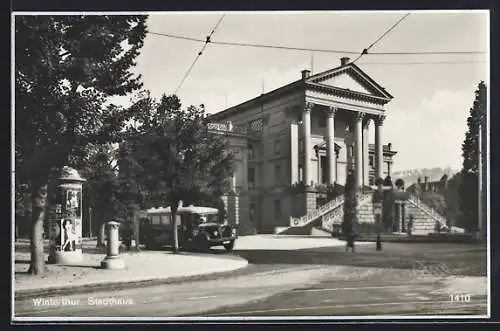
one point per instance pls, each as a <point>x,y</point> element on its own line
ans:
<point>366,122</point>
<point>331,111</point>
<point>359,116</point>
<point>379,120</point>
<point>308,106</point>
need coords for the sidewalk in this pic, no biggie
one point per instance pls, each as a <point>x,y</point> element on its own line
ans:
<point>146,267</point>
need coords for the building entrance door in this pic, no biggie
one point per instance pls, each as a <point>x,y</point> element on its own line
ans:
<point>323,170</point>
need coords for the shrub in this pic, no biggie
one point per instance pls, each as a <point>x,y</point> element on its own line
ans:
<point>350,204</point>
<point>387,205</point>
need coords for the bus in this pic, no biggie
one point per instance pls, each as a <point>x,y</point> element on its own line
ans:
<point>198,228</point>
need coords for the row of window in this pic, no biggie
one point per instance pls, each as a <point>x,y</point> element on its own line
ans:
<point>252,150</point>
<point>278,176</point>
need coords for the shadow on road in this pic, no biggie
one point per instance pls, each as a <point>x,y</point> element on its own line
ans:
<point>453,259</point>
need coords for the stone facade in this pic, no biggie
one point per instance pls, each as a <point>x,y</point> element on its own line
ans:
<point>312,131</point>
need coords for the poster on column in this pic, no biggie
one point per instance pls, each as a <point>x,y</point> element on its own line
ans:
<point>70,237</point>
<point>73,202</point>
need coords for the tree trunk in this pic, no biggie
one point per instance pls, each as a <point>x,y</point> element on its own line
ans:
<point>101,238</point>
<point>174,207</point>
<point>38,199</point>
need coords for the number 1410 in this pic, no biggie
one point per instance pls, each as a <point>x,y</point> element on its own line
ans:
<point>460,297</point>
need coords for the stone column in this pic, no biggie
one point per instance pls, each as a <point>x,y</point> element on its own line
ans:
<point>245,171</point>
<point>233,182</point>
<point>113,259</point>
<point>232,201</point>
<point>400,215</point>
<point>379,156</point>
<point>330,139</point>
<point>306,124</point>
<point>294,153</point>
<point>65,219</point>
<point>366,159</point>
<point>358,127</point>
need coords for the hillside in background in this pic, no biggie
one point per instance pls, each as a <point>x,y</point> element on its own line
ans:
<point>411,176</point>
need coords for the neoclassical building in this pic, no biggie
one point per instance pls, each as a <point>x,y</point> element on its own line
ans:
<point>306,135</point>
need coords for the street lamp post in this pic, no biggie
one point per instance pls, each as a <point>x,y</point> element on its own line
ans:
<point>480,186</point>
<point>377,211</point>
<point>90,221</point>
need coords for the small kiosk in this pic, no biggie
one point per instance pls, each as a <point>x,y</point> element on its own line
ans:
<point>65,219</point>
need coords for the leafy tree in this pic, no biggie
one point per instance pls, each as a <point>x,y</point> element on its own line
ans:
<point>181,159</point>
<point>350,210</point>
<point>470,151</point>
<point>103,187</point>
<point>388,205</point>
<point>66,68</point>
<point>435,200</point>
<point>451,196</point>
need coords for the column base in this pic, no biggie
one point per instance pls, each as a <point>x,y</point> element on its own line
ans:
<point>66,258</point>
<point>113,263</point>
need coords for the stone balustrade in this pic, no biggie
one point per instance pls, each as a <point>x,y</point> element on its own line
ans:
<point>335,216</point>
<point>300,221</point>
<point>329,211</point>
<point>427,209</point>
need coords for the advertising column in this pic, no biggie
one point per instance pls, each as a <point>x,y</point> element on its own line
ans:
<point>65,230</point>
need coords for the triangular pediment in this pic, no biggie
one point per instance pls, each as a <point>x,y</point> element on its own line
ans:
<point>351,78</point>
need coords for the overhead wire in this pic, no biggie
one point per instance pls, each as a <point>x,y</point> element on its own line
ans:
<point>421,62</point>
<point>365,51</point>
<point>206,42</point>
<point>318,50</point>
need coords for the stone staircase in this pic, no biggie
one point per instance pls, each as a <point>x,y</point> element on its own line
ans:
<point>424,217</point>
<point>328,217</point>
<point>322,218</point>
<point>333,220</point>
<point>304,225</point>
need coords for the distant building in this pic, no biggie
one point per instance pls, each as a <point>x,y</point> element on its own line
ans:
<point>430,185</point>
<point>303,135</point>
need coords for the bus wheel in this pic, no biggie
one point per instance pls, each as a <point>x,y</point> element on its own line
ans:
<point>229,247</point>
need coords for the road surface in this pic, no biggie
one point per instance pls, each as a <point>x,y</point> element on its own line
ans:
<point>411,279</point>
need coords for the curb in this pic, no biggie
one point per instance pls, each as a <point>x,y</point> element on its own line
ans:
<point>289,236</point>
<point>111,286</point>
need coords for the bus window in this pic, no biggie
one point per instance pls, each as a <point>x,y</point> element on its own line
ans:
<point>155,219</point>
<point>165,219</point>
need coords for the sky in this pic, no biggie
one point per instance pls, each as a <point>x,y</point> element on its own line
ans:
<point>426,120</point>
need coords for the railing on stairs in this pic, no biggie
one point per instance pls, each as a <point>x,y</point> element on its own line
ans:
<point>331,206</point>
<point>301,221</point>
<point>413,199</point>
<point>335,216</point>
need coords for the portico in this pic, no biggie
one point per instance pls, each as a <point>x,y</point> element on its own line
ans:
<point>357,124</point>
<point>311,132</point>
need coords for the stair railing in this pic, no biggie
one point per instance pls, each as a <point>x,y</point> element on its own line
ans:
<point>417,202</point>
<point>335,216</point>
<point>301,221</point>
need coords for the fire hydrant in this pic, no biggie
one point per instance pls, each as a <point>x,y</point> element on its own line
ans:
<point>113,260</point>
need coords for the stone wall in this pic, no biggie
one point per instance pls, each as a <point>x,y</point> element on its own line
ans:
<point>365,213</point>
<point>310,198</point>
<point>245,226</point>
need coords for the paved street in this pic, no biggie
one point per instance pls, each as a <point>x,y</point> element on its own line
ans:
<point>412,279</point>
